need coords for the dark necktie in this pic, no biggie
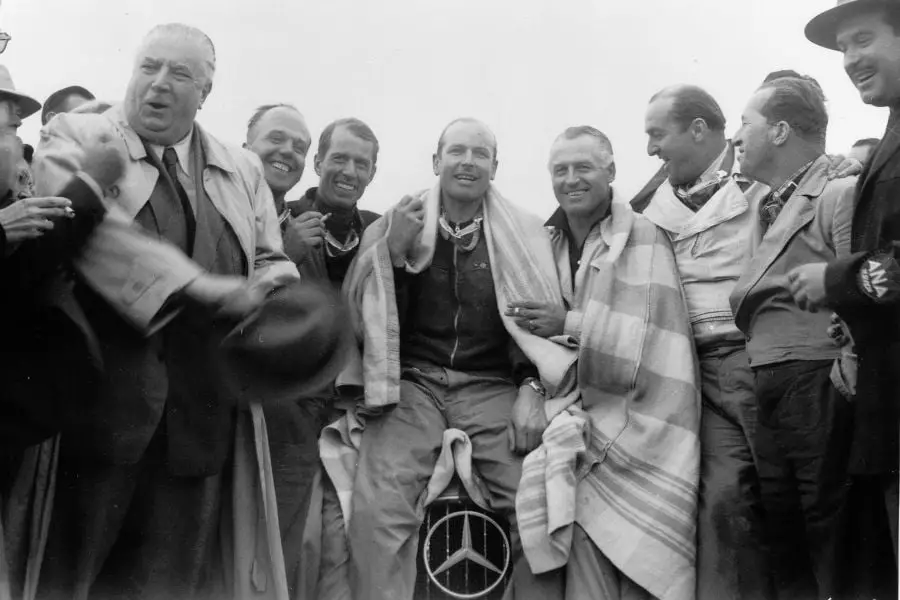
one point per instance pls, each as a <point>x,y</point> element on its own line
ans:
<point>170,161</point>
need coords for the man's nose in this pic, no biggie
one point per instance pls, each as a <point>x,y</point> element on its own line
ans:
<point>162,78</point>
<point>652,148</point>
<point>571,178</point>
<point>851,60</point>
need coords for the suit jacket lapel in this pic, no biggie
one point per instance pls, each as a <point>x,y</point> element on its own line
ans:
<point>890,144</point>
<point>797,213</point>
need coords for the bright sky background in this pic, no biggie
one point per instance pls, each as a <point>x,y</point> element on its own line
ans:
<point>407,67</point>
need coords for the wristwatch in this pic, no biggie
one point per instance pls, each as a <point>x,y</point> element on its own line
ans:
<point>535,384</point>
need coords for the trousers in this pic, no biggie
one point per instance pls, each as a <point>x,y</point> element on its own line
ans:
<point>803,446</point>
<point>397,457</point>
<point>731,561</point>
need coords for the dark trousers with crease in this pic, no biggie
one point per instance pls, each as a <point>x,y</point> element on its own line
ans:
<point>731,562</point>
<point>803,443</point>
<point>134,531</point>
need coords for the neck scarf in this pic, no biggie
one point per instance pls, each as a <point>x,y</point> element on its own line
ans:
<point>771,206</point>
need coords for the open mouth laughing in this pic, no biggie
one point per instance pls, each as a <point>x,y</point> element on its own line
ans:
<point>862,77</point>
<point>281,167</point>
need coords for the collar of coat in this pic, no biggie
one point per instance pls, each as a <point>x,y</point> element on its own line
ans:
<point>216,153</point>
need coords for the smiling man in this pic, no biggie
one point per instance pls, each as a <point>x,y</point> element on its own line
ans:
<point>864,288</point>
<point>710,214</point>
<point>323,228</point>
<point>803,421</point>
<point>624,304</point>
<point>458,251</point>
<point>277,133</point>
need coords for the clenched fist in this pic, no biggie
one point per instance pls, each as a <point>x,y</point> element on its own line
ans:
<point>303,233</point>
<point>406,224</point>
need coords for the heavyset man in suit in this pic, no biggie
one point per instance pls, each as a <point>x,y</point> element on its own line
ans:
<point>189,246</point>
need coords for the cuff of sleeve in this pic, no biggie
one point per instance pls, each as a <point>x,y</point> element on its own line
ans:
<point>841,287</point>
<point>158,303</point>
<point>523,372</point>
<point>572,328</point>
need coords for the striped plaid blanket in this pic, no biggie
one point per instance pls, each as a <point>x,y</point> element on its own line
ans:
<point>623,462</point>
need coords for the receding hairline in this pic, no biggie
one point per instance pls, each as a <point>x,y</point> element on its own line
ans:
<point>261,112</point>
<point>603,147</point>
<point>184,32</point>
<point>471,121</point>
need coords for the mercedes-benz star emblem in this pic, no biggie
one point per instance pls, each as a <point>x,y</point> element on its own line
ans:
<point>493,571</point>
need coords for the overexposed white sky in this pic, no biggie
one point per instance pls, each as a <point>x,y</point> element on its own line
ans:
<point>528,69</point>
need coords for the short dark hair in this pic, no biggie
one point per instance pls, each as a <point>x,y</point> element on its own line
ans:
<point>690,102</point>
<point>55,100</point>
<point>572,133</point>
<point>28,152</point>
<point>799,102</point>
<point>440,144</point>
<point>868,142</point>
<point>792,73</point>
<point>781,73</point>
<point>354,126</point>
<point>262,110</point>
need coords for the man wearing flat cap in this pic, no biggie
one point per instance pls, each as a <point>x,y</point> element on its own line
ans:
<point>864,288</point>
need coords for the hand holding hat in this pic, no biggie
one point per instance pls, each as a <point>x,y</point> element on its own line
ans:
<point>293,344</point>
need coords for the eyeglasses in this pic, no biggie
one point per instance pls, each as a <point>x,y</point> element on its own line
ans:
<point>4,41</point>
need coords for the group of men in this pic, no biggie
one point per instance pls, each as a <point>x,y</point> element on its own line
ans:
<point>688,395</point>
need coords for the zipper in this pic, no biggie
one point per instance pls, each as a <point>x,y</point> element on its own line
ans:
<point>458,306</point>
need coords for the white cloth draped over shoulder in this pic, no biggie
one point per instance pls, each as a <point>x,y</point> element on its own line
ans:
<point>523,268</point>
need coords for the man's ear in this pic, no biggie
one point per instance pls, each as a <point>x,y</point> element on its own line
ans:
<point>612,171</point>
<point>782,133</point>
<point>698,129</point>
<point>494,166</point>
<point>204,93</point>
<point>436,165</point>
<point>372,174</point>
<point>317,165</point>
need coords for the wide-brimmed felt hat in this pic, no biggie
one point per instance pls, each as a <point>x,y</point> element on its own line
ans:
<point>27,105</point>
<point>822,29</point>
<point>294,345</point>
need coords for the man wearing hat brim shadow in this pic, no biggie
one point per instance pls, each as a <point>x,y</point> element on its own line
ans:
<point>864,290</point>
